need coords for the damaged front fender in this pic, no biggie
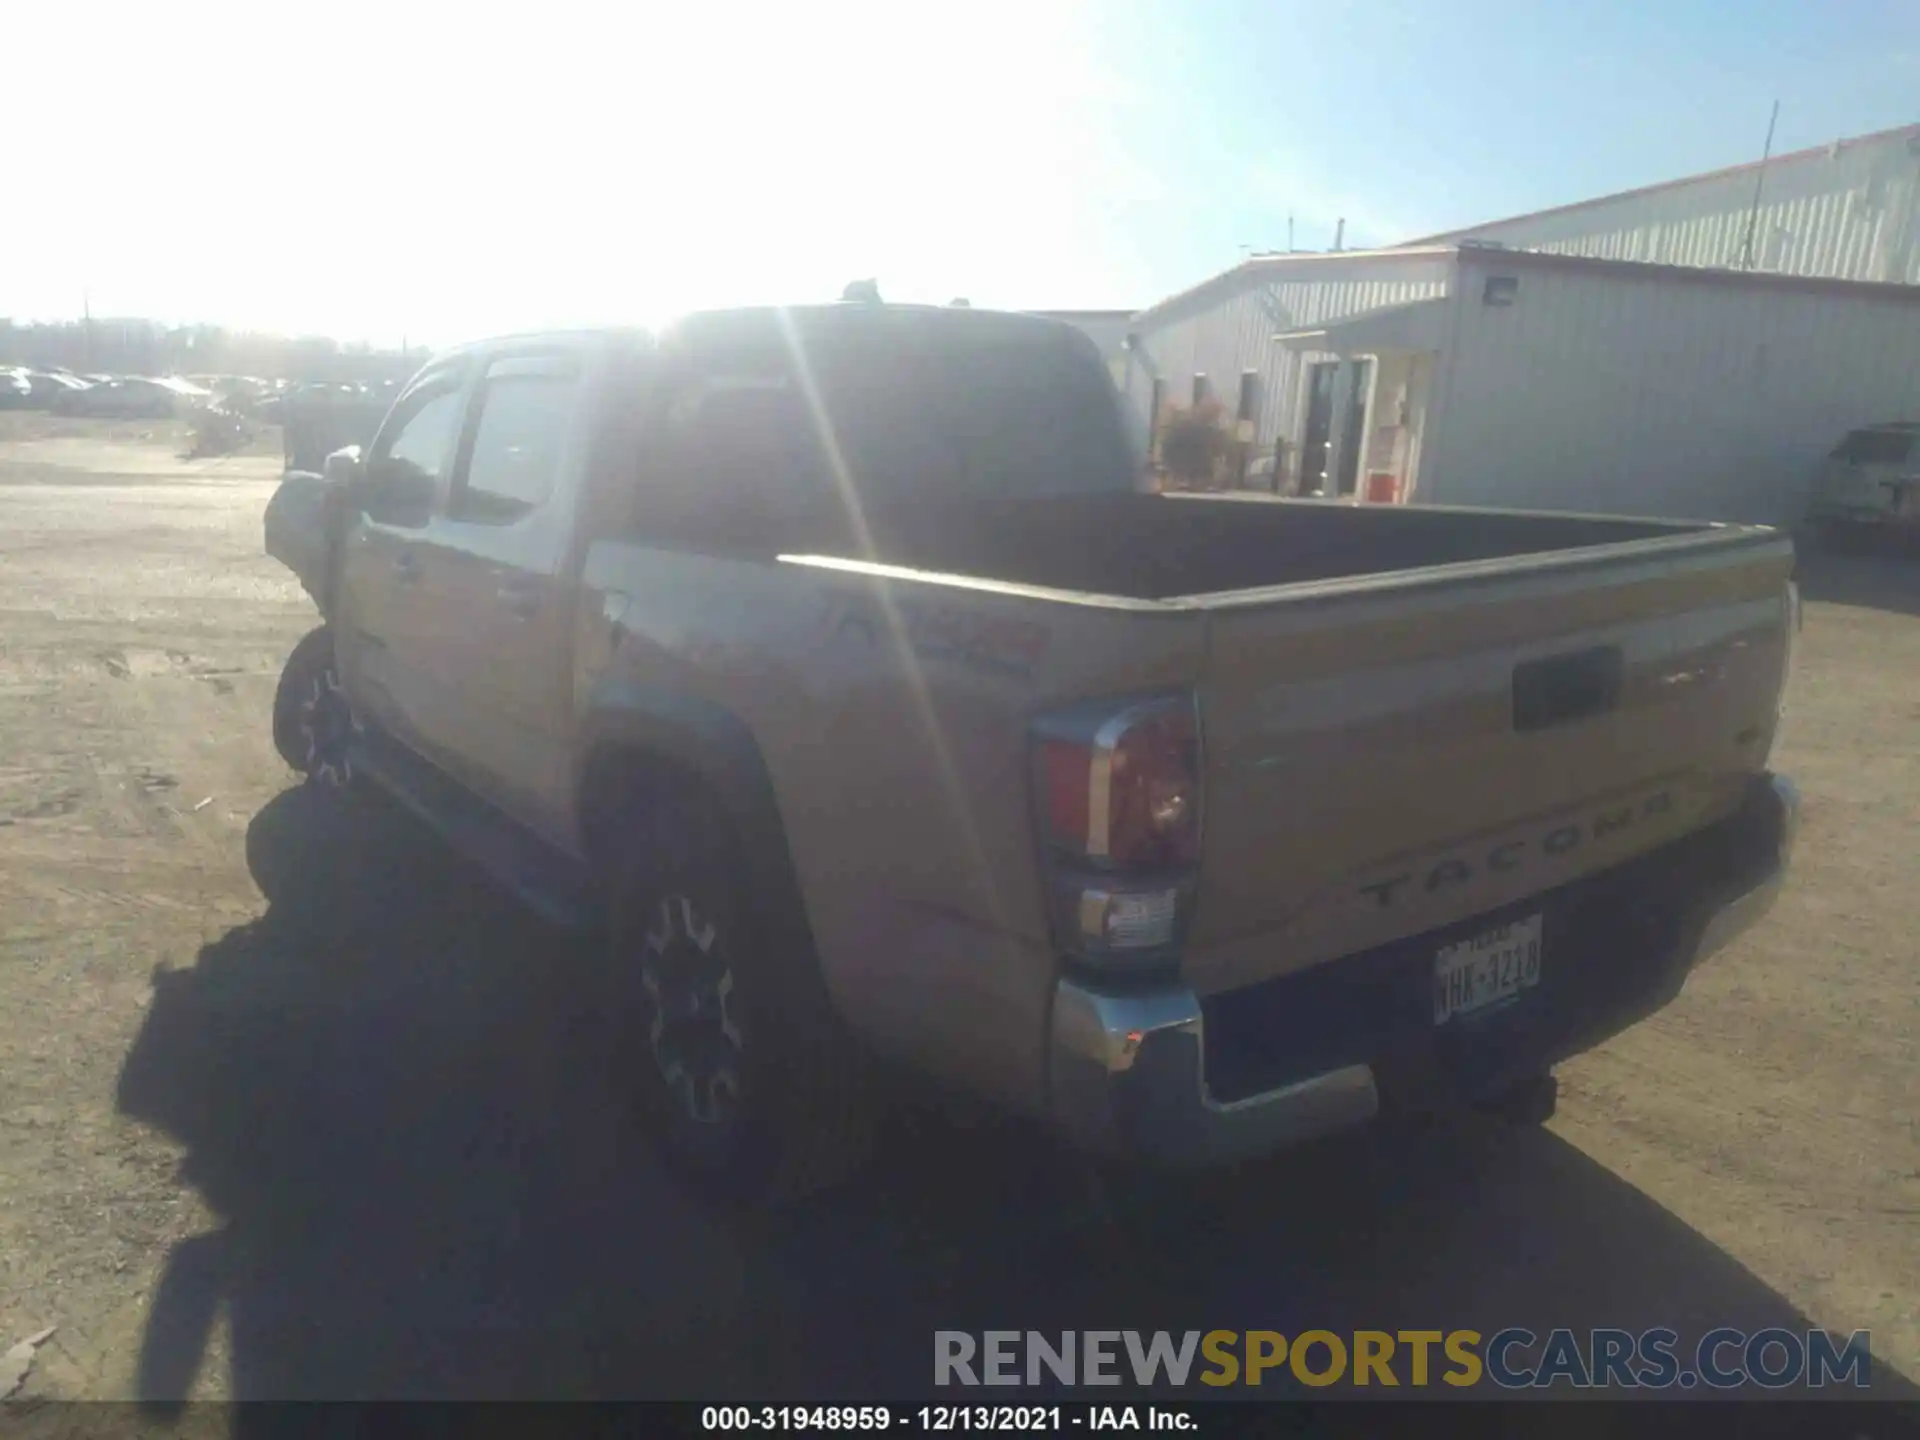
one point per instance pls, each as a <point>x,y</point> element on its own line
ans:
<point>302,522</point>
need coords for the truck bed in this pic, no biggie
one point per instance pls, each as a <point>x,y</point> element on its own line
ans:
<point>1380,767</point>
<point>1158,547</point>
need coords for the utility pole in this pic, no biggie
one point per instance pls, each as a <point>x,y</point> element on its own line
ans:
<point>86,331</point>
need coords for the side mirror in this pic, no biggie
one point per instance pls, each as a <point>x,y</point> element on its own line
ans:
<point>343,467</point>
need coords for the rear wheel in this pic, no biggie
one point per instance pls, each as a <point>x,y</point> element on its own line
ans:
<point>313,725</point>
<point>746,1077</point>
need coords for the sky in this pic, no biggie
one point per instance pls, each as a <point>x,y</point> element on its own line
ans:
<point>432,172</point>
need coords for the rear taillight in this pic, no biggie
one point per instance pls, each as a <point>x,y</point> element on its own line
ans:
<point>1117,790</point>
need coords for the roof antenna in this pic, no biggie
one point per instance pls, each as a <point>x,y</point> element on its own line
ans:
<point>1759,179</point>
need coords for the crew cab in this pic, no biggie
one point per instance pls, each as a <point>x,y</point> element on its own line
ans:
<point>833,664</point>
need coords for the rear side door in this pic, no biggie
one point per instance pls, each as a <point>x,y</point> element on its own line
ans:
<point>382,641</point>
<point>501,597</point>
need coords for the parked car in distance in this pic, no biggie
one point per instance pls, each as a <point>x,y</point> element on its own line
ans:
<point>127,397</point>
<point>41,387</point>
<point>1869,487</point>
<point>50,385</point>
<point>317,419</point>
<point>240,393</point>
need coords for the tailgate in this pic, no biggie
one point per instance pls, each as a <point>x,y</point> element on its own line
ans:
<point>1388,757</point>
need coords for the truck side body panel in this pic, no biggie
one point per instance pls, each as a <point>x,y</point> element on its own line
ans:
<point>892,716</point>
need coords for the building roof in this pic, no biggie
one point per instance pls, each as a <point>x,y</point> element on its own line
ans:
<point>1505,257</point>
<point>724,323</point>
<point>1257,265</point>
<point>1794,157</point>
<point>1502,257</point>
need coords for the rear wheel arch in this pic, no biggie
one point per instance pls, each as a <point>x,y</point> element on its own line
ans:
<point>675,750</point>
<point>651,786</point>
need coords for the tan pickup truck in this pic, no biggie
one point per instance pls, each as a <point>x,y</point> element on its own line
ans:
<point>831,661</point>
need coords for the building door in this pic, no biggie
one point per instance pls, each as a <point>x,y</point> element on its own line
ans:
<point>1317,441</point>
<point>1353,428</point>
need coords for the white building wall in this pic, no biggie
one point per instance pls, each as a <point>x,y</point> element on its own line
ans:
<point>1658,394</point>
<point>1850,211</point>
<point>1228,326</point>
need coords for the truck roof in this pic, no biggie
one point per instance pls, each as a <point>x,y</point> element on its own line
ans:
<point>745,324</point>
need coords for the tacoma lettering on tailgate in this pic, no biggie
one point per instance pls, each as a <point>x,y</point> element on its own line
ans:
<point>1460,869</point>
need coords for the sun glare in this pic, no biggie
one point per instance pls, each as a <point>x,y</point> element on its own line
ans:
<point>401,172</point>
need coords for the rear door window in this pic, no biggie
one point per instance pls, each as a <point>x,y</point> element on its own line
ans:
<point>525,412</point>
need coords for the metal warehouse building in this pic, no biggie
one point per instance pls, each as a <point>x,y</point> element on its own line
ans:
<point>1848,211</point>
<point>1470,375</point>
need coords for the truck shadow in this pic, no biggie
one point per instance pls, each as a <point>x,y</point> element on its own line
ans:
<point>411,1128</point>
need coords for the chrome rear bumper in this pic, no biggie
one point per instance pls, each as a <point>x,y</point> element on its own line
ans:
<point>1128,1066</point>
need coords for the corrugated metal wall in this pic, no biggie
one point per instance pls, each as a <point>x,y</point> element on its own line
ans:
<point>1230,329</point>
<point>1659,395</point>
<point>1851,212</point>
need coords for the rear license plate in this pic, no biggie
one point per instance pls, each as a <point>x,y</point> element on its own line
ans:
<point>1486,970</point>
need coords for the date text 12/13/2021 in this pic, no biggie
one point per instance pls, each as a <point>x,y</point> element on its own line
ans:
<point>942,1419</point>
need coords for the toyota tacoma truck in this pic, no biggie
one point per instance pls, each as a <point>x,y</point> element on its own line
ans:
<point>835,666</point>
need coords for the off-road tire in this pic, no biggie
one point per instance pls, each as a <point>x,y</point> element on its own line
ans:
<point>802,1122</point>
<point>310,665</point>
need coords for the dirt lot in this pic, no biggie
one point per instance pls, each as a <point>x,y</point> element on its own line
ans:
<point>294,1106</point>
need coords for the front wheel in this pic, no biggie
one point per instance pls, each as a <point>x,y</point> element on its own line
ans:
<point>313,725</point>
